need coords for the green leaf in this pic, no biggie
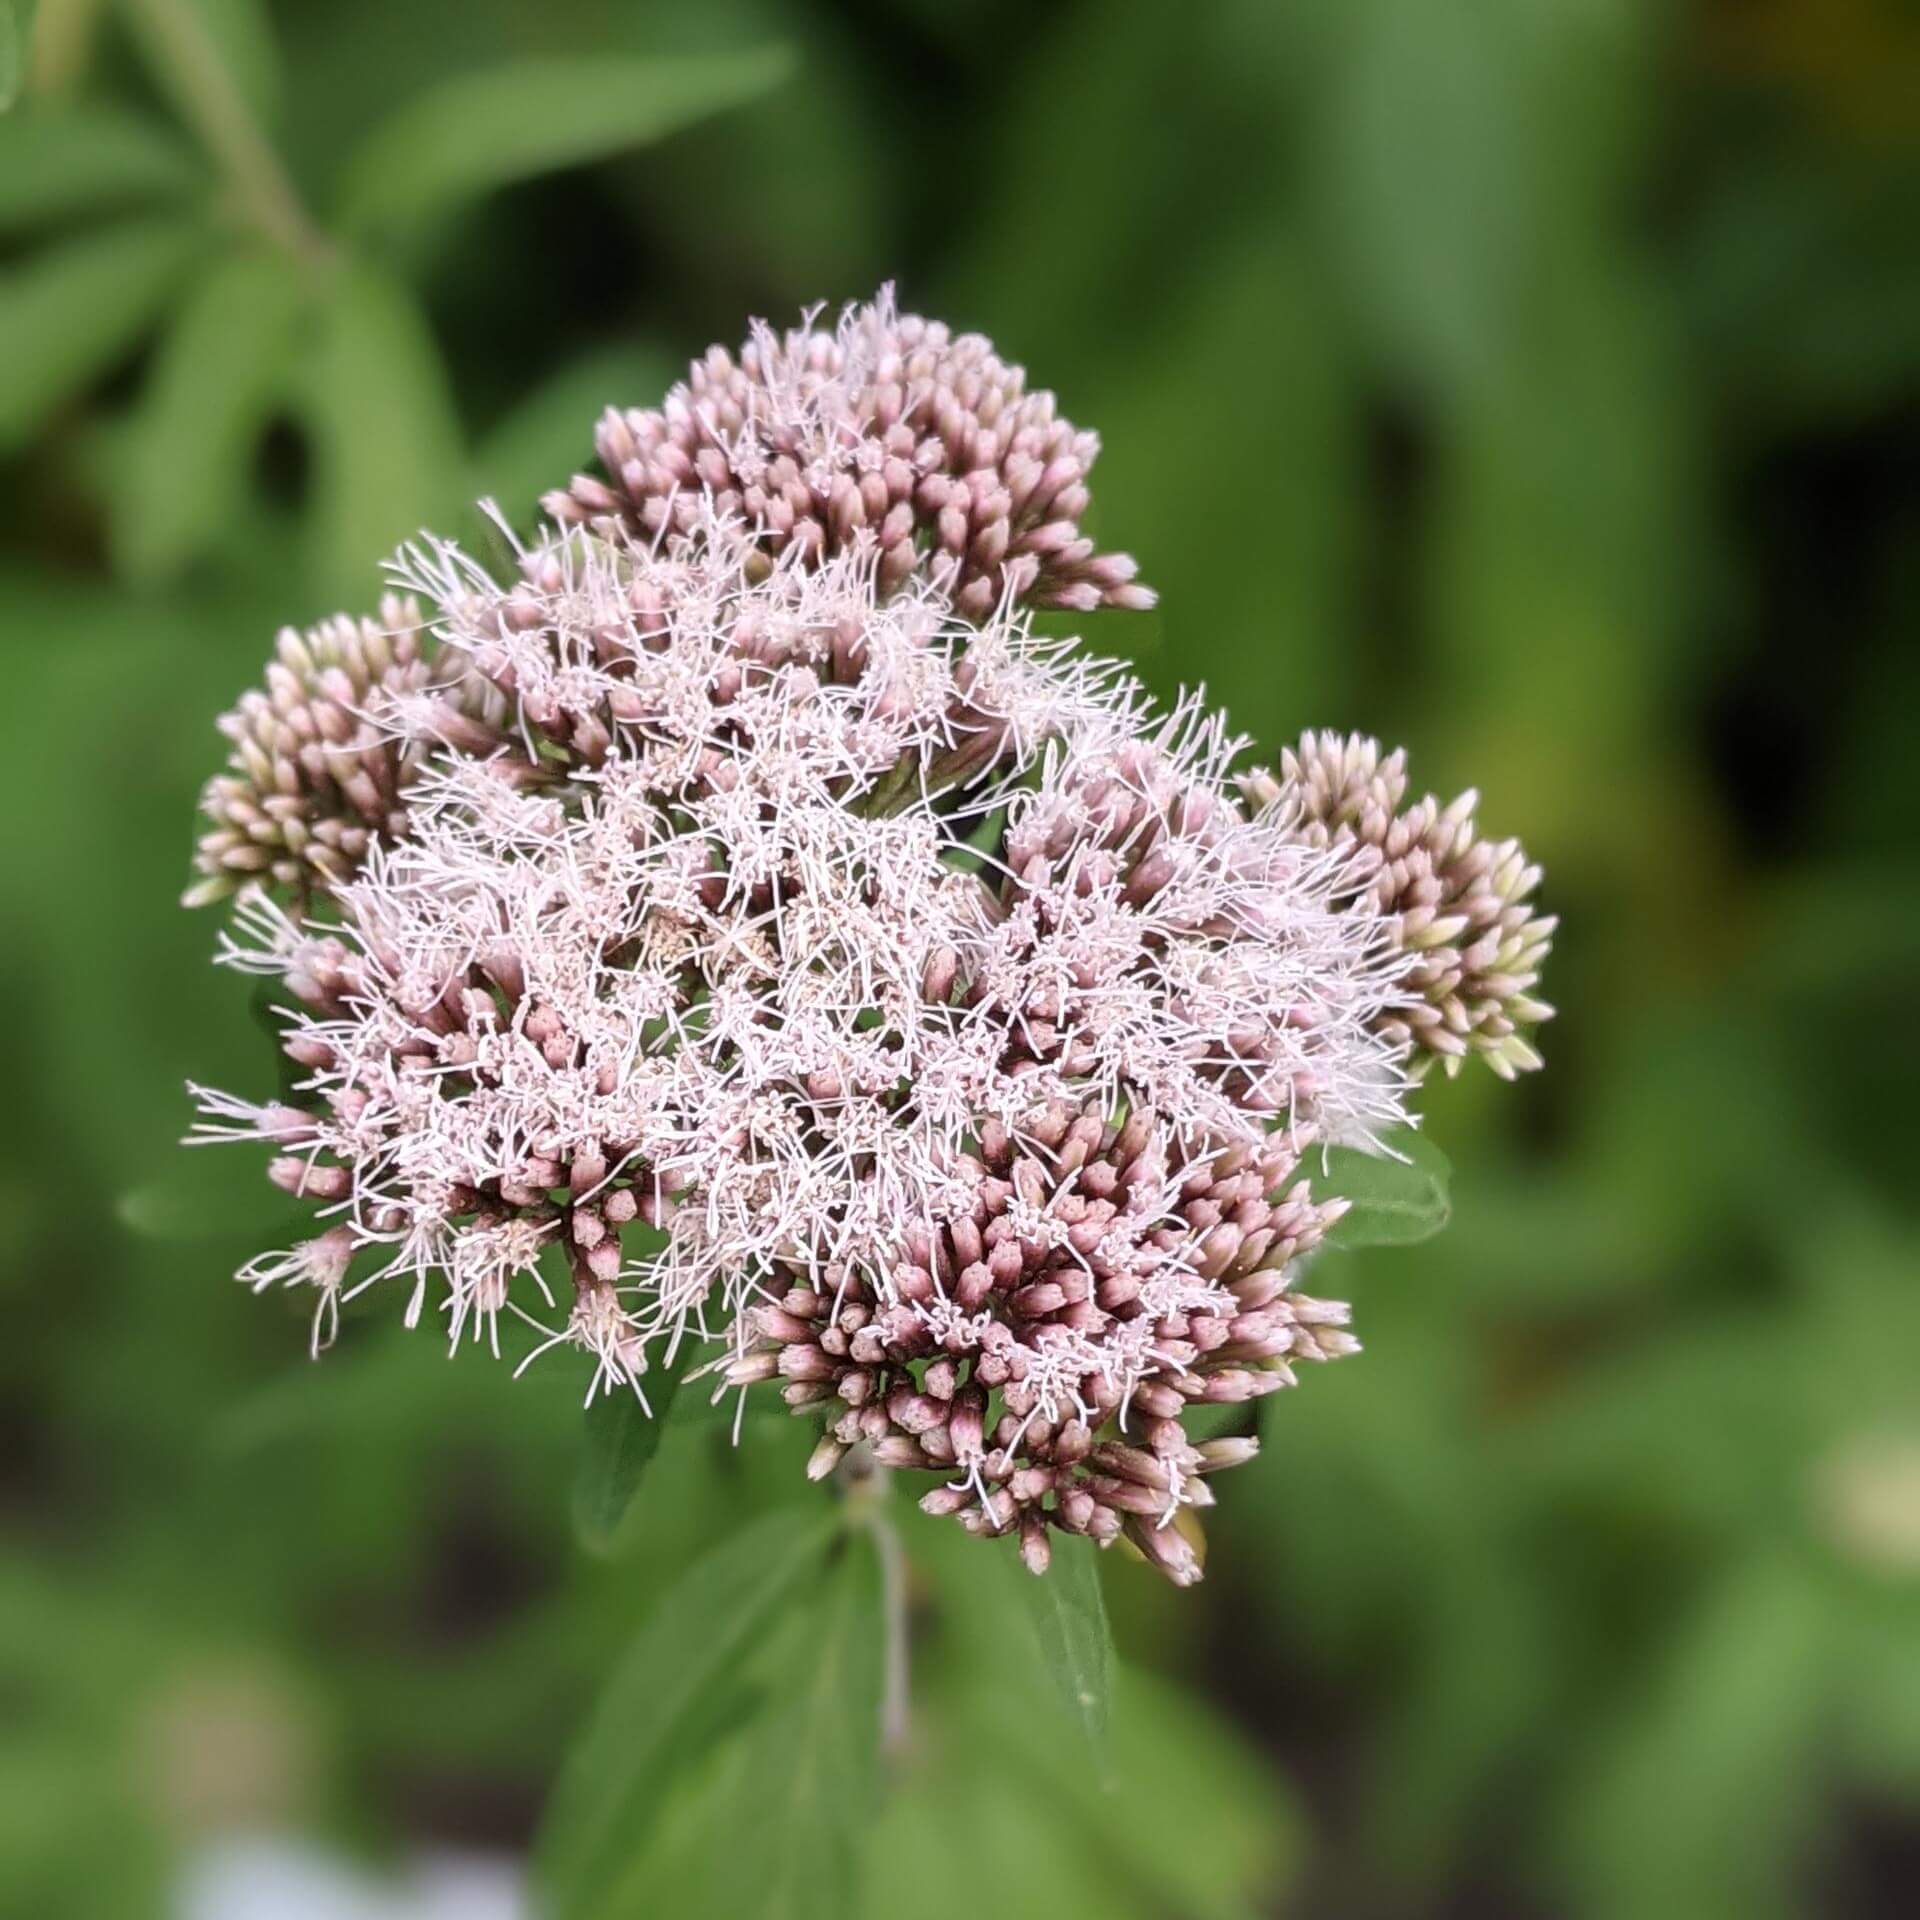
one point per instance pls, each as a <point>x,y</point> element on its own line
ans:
<point>981,845</point>
<point>214,1194</point>
<point>621,1439</point>
<point>1415,148</point>
<point>688,1647</point>
<point>218,375</point>
<point>811,1782</point>
<point>386,440</point>
<point>1069,1615</point>
<point>59,163</point>
<point>548,437</point>
<point>1069,1835</point>
<point>1237,1833</point>
<point>71,311</point>
<point>16,36</point>
<point>1706,1762</point>
<point>1395,1201</point>
<point>479,131</point>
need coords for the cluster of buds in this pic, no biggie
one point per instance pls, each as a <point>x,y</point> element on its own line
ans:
<point>1460,906</point>
<point>1040,1349</point>
<point>962,1034</point>
<point>313,780</point>
<point>889,431</point>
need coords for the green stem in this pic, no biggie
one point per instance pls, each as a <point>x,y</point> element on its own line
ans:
<point>218,112</point>
<point>869,1493</point>
<point>64,35</point>
<point>895,1700</point>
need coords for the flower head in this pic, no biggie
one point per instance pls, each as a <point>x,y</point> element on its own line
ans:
<point>1459,906</point>
<point>888,435</point>
<point>316,775</point>
<point>958,1029</point>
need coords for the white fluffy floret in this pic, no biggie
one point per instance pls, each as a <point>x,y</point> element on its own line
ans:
<point>771,896</point>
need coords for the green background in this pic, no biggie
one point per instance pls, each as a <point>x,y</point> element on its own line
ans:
<point>1533,382</point>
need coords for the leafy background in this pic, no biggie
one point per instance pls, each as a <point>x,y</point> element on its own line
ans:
<point>1534,381</point>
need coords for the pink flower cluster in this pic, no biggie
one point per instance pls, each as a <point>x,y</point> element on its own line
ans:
<point>943,1010</point>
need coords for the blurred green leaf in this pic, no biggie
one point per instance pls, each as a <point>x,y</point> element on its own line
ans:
<point>1069,1615</point>
<point>622,1436</point>
<point>1238,1830</point>
<point>479,131</point>
<point>68,313</point>
<point>808,1790</point>
<point>1704,1768</point>
<point>1803,284</point>
<point>1243,357</point>
<point>1559,541</point>
<point>59,163</point>
<point>807,229</point>
<point>386,439</point>
<point>16,47</point>
<point>1392,1201</point>
<point>1063,1839</point>
<point>687,1647</point>
<point>79,1665</point>
<point>549,435</point>
<point>1422,115</point>
<point>1835,929</point>
<point>980,1685</point>
<point>213,1194</point>
<point>219,372</point>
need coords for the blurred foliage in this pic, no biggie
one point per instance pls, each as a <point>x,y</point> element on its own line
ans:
<point>1535,381</point>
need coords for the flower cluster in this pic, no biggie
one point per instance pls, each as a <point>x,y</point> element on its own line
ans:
<point>959,1032</point>
<point>1458,904</point>
<point>313,780</point>
<point>889,432</point>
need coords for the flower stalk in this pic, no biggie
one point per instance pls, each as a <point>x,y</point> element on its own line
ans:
<point>189,62</point>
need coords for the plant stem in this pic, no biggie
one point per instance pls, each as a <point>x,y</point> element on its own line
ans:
<point>895,1698</point>
<point>212,102</point>
<point>64,33</point>
<point>869,1496</point>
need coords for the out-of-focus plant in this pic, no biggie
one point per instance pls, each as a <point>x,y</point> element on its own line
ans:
<point>16,42</point>
<point>272,301</point>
